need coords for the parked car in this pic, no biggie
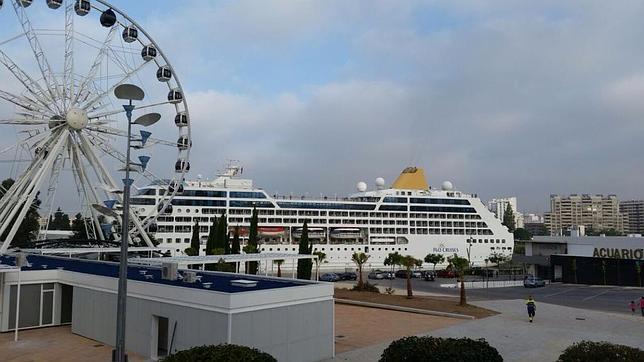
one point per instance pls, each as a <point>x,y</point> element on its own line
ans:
<point>428,276</point>
<point>445,274</point>
<point>532,282</point>
<point>329,277</point>
<point>379,274</point>
<point>402,273</point>
<point>348,276</point>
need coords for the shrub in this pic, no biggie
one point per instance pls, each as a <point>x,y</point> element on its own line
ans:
<point>601,352</point>
<point>440,350</point>
<point>366,287</point>
<point>220,353</point>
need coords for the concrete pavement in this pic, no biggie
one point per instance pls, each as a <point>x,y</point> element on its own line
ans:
<point>555,328</point>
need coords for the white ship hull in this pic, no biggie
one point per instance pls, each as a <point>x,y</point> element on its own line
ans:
<point>410,221</point>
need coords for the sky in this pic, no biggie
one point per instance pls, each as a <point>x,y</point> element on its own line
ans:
<point>503,98</point>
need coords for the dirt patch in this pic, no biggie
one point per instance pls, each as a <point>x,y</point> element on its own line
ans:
<point>357,327</point>
<point>441,304</point>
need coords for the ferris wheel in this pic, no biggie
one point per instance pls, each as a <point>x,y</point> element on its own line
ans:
<point>60,63</point>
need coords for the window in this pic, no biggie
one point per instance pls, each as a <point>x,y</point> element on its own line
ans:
<point>247,195</point>
<point>443,209</point>
<point>204,193</point>
<point>321,205</point>
<point>395,200</point>
<point>393,207</point>
<point>258,204</point>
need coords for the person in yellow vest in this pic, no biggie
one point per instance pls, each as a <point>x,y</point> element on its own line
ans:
<point>532,307</point>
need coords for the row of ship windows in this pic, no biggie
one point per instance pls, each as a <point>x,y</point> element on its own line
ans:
<point>444,224</point>
<point>393,215</point>
<point>386,231</point>
<point>178,201</point>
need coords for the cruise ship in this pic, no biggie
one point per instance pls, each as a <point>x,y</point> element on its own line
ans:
<point>409,217</point>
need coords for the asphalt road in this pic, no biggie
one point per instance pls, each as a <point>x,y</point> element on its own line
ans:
<point>601,298</point>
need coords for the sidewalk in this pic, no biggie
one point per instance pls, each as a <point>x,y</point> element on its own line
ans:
<point>554,329</point>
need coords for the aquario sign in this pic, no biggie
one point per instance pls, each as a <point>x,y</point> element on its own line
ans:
<point>618,253</point>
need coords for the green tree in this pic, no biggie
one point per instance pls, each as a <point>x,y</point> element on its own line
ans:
<point>410,262</point>
<point>460,266</point>
<point>318,262</point>
<point>78,227</point>
<point>497,258</point>
<point>508,219</point>
<point>222,234</point>
<point>279,263</point>
<point>211,243</point>
<point>59,221</point>
<point>235,248</point>
<point>251,246</point>
<point>522,234</point>
<point>392,260</point>
<point>434,259</point>
<point>195,242</point>
<point>29,226</point>
<point>305,248</point>
<point>360,259</point>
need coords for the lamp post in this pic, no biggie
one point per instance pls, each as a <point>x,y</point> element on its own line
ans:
<point>129,93</point>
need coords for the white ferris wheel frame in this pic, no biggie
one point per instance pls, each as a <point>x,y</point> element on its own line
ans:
<point>44,97</point>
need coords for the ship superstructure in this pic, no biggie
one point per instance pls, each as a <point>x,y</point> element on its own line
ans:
<point>409,217</point>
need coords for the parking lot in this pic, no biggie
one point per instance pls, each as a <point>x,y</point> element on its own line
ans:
<point>601,298</point>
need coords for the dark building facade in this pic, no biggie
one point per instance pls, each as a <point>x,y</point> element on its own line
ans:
<point>596,271</point>
<point>633,211</point>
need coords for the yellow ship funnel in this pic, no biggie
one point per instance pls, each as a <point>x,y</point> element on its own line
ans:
<point>411,178</point>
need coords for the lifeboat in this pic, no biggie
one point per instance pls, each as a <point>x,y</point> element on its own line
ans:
<point>271,230</point>
<point>314,233</point>
<point>345,233</point>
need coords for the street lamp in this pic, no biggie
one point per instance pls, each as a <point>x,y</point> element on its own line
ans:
<point>130,93</point>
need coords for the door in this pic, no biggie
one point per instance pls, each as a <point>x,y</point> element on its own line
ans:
<point>159,337</point>
<point>558,272</point>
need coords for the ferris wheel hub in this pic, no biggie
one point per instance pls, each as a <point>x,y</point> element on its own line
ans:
<point>77,118</point>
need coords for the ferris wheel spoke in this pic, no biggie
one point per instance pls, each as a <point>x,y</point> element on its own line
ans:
<point>24,122</point>
<point>23,102</point>
<point>82,183</point>
<point>26,199</point>
<point>83,87</point>
<point>41,59</point>
<point>118,111</point>
<point>32,86</point>
<point>106,93</point>
<point>106,147</point>
<point>68,73</point>
<point>59,163</point>
<point>118,132</point>
<point>95,162</point>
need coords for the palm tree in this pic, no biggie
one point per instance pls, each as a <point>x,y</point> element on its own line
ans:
<point>321,259</point>
<point>460,265</point>
<point>409,262</point>
<point>434,259</point>
<point>279,263</point>
<point>360,259</point>
<point>392,259</point>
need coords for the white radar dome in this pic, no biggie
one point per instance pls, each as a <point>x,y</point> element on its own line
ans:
<point>361,186</point>
<point>447,186</point>
<point>380,183</point>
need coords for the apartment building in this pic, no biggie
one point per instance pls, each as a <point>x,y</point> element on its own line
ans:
<point>594,212</point>
<point>633,211</point>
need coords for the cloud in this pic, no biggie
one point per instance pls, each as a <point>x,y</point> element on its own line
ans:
<point>502,98</point>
